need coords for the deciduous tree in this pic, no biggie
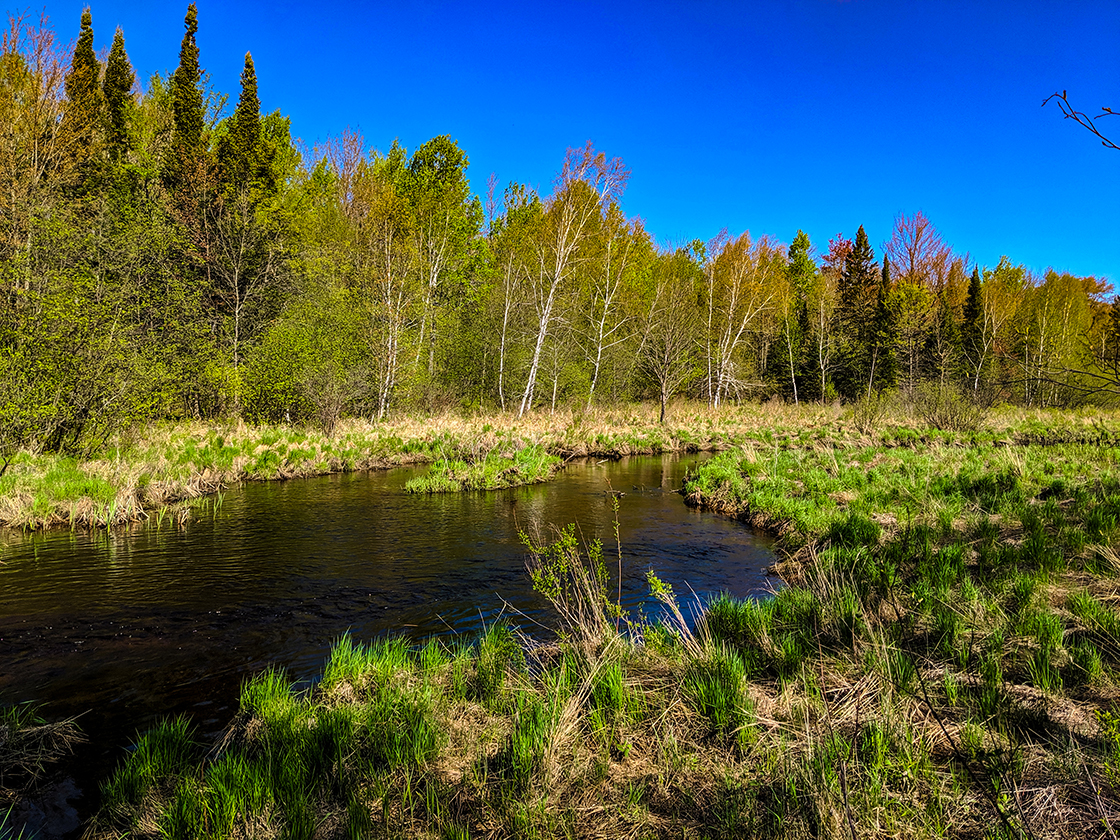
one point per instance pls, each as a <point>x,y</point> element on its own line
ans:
<point>669,351</point>
<point>587,182</point>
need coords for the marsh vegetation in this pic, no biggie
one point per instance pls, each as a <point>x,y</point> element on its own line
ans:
<point>940,661</point>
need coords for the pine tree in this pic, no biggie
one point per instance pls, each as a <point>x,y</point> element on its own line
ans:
<point>857,283</point>
<point>82,114</point>
<point>117,91</point>
<point>186,102</point>
<point>973,322</point>
<point>239,150</point>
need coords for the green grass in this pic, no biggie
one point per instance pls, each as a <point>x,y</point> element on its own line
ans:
<point>493,471</point>
<point>818,457</point>
<point>940,660</point>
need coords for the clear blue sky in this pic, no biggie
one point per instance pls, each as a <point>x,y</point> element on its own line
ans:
<point>768,117</point>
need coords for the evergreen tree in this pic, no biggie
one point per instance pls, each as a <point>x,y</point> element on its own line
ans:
<point>857,287</point>
<point>801,272</point>
<point>82,114</point>
<point>801,269</point>
<point>855,318</point>
<point>117,91</point>
<point>239,150</point>
<point>972,329</point>
<point>1109,347</point>
<point>186,102</point>
<point>881,338</point>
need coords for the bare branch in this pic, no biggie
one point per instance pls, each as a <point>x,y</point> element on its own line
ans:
<point>1083,119</point>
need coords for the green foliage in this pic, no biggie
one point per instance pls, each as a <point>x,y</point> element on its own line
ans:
<point>498,654</point>
<point>83,95</point>
<point>117,91</point>
<point>306,367</point>
<point>166,752</point>
<point>239,149</point>
<point>1110,729</point>
<point>187,103</point>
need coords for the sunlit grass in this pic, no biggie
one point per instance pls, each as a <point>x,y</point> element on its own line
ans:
<point>150,468</point>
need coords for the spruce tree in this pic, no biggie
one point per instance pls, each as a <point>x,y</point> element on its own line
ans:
<point>855,313</point>
<point>858,276</point>
<point>117,91</point>
<point>82,114</point>
<point>881,338</point>
<point>801,268</point>
<point>239,150</point>
<point>801,272</point>
<point>973,314</point>
<point>972,337</point>
<point>186,102</point>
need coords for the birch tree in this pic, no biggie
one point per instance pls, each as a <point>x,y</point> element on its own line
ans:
<point>445,220</point>
<point>745,280</point>
<point>668,354</point>
<point>586,183</point>
<point>384,267</point>
<point>607,324</point>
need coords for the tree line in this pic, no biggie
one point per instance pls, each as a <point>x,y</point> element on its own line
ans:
<point>163,255</point>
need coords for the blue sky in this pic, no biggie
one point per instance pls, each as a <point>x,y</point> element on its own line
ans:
<point>767,117</point>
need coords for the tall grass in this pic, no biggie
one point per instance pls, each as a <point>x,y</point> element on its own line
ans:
<point>144,469</point>
<point>938,662</point>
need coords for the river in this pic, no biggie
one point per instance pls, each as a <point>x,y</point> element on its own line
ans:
<point>125,626</point>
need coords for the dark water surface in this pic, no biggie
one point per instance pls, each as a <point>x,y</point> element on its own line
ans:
<point>127,626</point>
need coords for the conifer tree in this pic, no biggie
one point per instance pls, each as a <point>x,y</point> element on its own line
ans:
<point>881,337</point>
<point>801,272</point>
<point>972,330</point>
<point>239,150</point>
<point>117,91</point>
<point>855,313</point>
<point>82,114</point>
<point>186,101</point>
<point>973,324</point>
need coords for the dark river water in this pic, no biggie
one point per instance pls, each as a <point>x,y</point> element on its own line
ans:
<point>127,626</point>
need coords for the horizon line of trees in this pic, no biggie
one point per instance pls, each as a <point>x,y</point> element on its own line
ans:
<point>162,256</point>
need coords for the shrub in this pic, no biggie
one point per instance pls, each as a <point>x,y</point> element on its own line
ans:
<point>947,408</point>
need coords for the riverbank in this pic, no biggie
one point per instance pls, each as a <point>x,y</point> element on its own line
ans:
<point>943,663</point>
<point>155,471</point>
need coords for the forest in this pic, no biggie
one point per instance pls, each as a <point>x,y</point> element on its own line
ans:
<point>164,255</point>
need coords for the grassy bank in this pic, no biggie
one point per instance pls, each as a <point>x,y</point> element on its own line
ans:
<point>501,467</point>
<point>152,469</point>
<point>943,663</point>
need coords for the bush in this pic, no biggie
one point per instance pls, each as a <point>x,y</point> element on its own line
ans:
<point>868,412</point>
<point>947,408</point>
